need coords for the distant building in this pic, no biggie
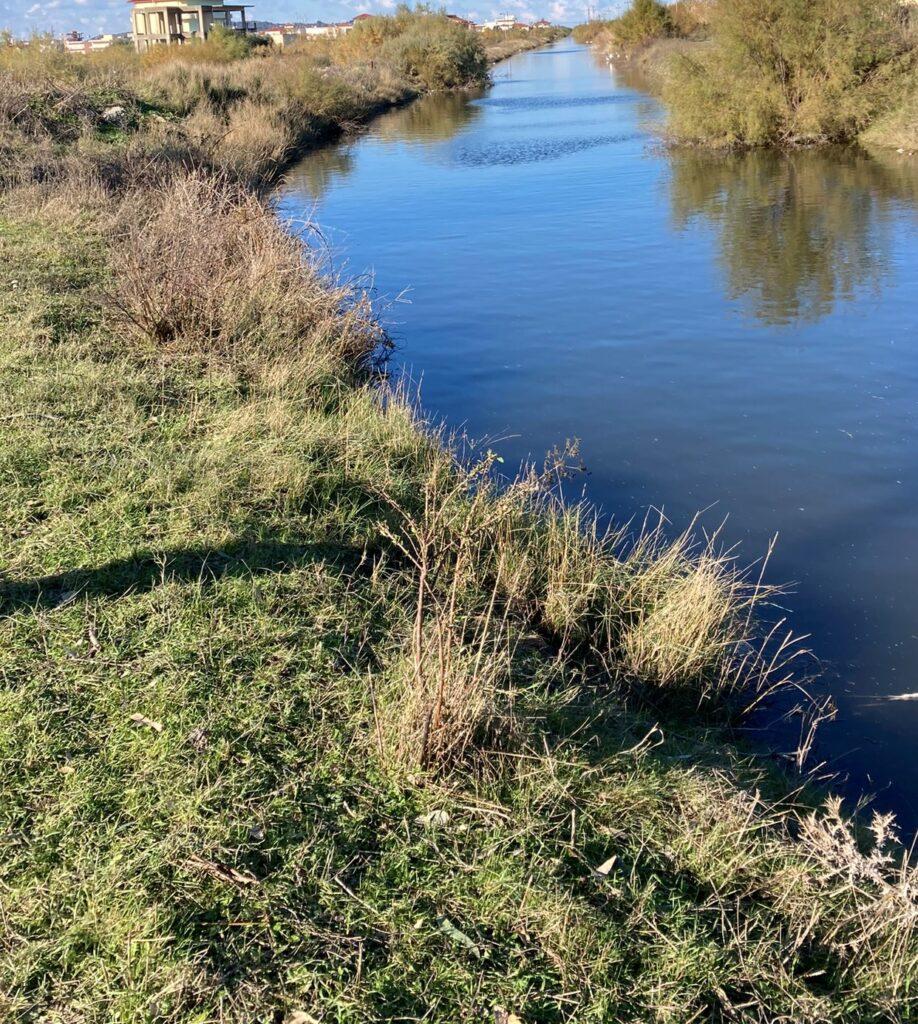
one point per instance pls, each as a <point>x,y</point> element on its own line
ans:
<point>504,23</point>
<point>290,32</point>
<point>173,22</point>
<point>541,23</point>
<point>278,36</point>
<point>324,30</point>
<point>75,43</point>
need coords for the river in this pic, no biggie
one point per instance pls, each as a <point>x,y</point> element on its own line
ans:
<point>729,334</point>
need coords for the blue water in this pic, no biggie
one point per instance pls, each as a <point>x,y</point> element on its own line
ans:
<point>729,334</point>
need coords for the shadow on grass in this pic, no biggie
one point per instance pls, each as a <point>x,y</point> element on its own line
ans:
<point>145,570</point>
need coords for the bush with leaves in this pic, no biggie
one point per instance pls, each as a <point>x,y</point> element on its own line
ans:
<point>789,72</point>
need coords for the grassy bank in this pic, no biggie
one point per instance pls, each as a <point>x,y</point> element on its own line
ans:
<point>304,718</point>
<point>779,73</point>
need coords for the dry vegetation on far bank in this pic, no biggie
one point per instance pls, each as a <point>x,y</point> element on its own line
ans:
<point>234,108</point>
<point>754,73</point>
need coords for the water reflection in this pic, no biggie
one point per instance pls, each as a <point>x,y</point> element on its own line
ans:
<point>429,120</point>
<point>321,170</point>
<point>797,232</point>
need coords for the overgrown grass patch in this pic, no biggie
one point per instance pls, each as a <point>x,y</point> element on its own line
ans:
<point>302,714</point>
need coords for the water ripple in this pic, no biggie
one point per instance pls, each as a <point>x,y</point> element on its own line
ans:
<point>549,102</point>
<point>509,153</point>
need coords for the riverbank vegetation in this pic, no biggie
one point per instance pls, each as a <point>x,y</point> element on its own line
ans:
<point>781,73</point>
<point>307,716</point>
<point>238,108</point>
<point>646,22</point>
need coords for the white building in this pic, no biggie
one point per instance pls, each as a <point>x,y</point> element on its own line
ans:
<point>75,43</point>
<point>503,23</point>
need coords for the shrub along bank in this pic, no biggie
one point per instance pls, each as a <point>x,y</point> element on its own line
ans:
<point>239,110</point>
<point>783,73</point>
<point>305,718</point>
<point>643,23</point>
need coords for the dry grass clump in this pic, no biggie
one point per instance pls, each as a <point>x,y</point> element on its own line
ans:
<point>873,888</point>
<point>256,138</point>
<point>203,266</point>
<point>183,86</point>
<point>448,699</point>
<point>449,694</point>
<point>841,895</point>
<point>666,614</point>
<point>496,565</point>
<point>687,620</point>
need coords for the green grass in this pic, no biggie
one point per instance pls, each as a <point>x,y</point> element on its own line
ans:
<point>229,588</point>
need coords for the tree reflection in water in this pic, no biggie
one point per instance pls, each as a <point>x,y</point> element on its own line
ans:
<point>430,120</point>
<point>799,231</point>
<point>320,170</point>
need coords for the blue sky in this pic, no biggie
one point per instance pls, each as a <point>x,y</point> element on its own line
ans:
<point>94,16</point>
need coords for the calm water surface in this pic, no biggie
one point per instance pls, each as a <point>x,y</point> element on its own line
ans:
<point>731,334</point>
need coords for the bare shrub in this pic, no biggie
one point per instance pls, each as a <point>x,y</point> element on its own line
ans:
<point>204,266</point>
